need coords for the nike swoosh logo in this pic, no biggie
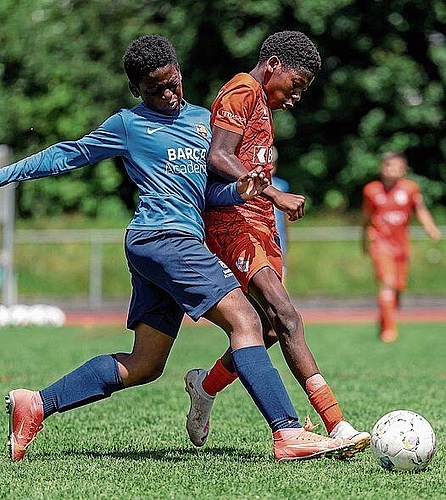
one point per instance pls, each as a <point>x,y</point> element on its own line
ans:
<point>151,131</point>
<point>19,434</point>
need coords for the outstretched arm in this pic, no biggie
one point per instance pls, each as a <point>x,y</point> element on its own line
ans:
<point>427,221</point>
<point>56,159</point>
<point>105,142</point>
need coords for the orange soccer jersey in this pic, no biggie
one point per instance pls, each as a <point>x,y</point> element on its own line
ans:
<point>244,236</point>
<point>390,212</point>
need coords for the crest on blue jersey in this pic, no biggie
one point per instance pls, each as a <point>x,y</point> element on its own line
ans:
<point>202,130</point>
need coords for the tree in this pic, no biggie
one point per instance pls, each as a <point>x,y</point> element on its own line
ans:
<point>381,87</point>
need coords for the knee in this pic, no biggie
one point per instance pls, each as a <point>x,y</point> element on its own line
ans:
<point>388,283</point>
<point>147,376</point>
<point>246,329</point>
<point>139,375</point>
<point>153,374</point>
<point>248,320</point>
<point>289,322</point>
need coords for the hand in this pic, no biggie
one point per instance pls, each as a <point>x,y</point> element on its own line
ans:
<point>434,233</point>
<point>292,204</point>
<point>252,183</point>
<point>365,245</point>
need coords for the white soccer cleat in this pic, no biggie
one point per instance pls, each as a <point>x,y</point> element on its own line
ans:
<point>345,430</point>
<point>199,415</point>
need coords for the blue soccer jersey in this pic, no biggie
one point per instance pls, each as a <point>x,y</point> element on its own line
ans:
<point>281,185</point>
<point>164,155</point>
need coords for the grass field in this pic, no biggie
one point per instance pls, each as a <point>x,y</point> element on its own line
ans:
<point>134,445</point>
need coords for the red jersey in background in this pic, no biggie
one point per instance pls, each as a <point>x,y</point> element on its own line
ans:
<point>390,212</point>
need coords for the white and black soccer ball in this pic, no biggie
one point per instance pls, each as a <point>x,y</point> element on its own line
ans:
<point>403,440</point>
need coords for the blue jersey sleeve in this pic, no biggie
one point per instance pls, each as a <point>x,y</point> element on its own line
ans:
<point>280,184</point>
<point>221,193</point>
<point>106,141</point>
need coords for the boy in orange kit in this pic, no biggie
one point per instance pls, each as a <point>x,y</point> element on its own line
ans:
<point>247,240</point>
<point>388,204</point>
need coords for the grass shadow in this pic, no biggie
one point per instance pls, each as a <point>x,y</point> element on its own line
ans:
<point>171,454</point>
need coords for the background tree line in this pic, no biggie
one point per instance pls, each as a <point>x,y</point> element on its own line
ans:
<point>382,87</point>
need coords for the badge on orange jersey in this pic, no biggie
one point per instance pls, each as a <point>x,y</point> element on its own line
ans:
<point>242,265</point>
<point>262,155</point>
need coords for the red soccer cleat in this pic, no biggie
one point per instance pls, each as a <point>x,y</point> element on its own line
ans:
<point>300,444</point>
<point>25,410</point>
<point>388,336</point>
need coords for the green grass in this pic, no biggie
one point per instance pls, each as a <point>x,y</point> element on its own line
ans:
<point>339,268</point>
<point>134,445</point>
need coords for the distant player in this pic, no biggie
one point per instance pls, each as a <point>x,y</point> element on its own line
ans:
<point>163,142</point>
<point>246,238</point>
<point>388,204</point>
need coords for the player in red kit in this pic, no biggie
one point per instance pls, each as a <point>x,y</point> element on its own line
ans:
<point>247,240</point>
<point>388,205</point>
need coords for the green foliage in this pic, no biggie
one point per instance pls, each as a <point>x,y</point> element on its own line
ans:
<point>135,446</point>
<point>381,87</point>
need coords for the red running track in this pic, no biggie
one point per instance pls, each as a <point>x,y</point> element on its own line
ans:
<point>311,315</point>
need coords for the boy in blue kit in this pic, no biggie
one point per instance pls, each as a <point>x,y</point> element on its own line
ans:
<point>164,143</point>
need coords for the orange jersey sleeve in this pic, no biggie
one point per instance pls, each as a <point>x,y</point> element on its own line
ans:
<point>241,107</point>
<point>234,104</point>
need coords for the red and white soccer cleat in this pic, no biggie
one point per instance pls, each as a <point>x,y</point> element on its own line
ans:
<point>198,418</point>
<point>300,444</point>
<point>25,410</point>
<point>361,439</point>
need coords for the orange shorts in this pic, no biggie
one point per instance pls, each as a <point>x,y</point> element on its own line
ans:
<point>245,250</point>
<point>390,269</point>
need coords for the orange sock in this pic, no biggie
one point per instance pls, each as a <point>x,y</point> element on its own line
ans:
<point>387,309</point>
<point>217,378</point>
<point>326,405</point>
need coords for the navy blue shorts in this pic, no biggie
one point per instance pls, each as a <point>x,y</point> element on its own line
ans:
<point>172,274</point>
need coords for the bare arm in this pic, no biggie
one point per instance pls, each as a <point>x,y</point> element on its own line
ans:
<point>364,238</point>
<point>427,221</point>
<point>223,162</point>
<point>222,159</point>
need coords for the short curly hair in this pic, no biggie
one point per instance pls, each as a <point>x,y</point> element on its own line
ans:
<point>146,54</point>
<point>294,50</point>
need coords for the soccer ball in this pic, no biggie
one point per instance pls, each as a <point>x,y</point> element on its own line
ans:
<point>402,440</point>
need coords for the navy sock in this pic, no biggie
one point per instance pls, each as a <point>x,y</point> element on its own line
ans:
<point>263,382</point>
<point>96,379</point>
